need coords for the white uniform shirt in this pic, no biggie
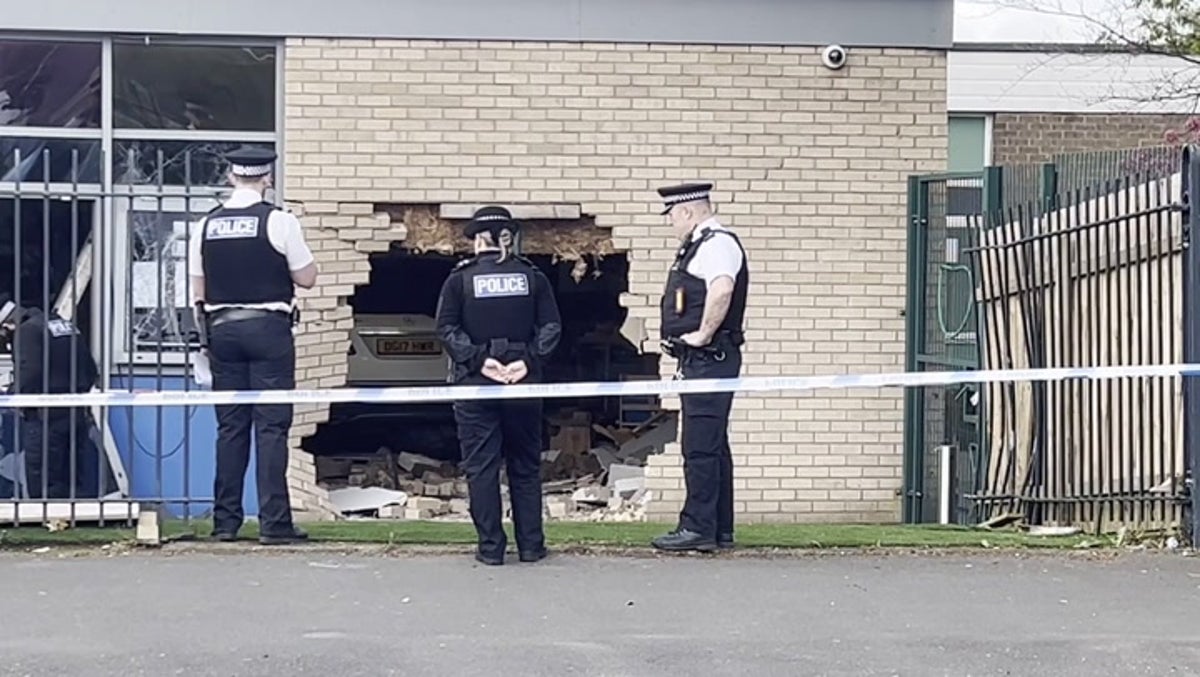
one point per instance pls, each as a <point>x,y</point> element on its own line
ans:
<point>283,231</point>
<point>717,257</point>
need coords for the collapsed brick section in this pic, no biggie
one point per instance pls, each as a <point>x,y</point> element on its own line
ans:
<point>810,167</point>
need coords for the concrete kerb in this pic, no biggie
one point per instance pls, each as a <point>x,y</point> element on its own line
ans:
<point>183,548</point>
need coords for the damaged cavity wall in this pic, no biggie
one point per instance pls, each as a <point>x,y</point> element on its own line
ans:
<point>810,168</point>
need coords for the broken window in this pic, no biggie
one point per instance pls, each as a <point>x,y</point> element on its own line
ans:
<point>153,283</point>
<point>160,316</point>
<point>31,160</point>
<point>193,87</point>
<point>178,109</point>
<point>39,241</point>
<point>49,83</point>
<point>174,163</point>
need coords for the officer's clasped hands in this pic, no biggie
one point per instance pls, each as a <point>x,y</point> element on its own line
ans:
<point>505,373</point>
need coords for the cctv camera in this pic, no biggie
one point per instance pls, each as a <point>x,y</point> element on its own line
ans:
<point>834,57</point>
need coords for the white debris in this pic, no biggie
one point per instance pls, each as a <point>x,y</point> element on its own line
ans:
<point>592,495</point>
<point>620,472</point>
<point>1053,531</point>
<point>353,500</point>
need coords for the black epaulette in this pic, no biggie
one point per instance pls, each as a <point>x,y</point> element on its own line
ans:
<point>524,260</point>
<point>465,262</point>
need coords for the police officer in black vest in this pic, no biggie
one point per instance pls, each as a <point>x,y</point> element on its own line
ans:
<point>702,312</point>
<point>499,322</point>
<point>51,357</point>
<point>246,259</point>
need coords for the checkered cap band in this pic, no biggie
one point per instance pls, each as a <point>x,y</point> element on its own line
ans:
<point>251,170</point>
<point>686,197</point>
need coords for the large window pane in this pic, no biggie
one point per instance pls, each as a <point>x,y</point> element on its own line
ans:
<point>968,143</point>
<point>49,84</point>
<point>68,160</point>
<point>193,87</point>
<point>161,314</point>
<point>138,162</point>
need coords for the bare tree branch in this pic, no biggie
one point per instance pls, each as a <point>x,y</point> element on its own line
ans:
<point>1164,28</point>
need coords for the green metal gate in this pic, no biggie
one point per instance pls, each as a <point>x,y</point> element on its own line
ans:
<point>946,455</point>
<point>941,423</point>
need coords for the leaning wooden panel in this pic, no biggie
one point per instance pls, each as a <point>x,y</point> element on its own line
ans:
<point>1095,283</point>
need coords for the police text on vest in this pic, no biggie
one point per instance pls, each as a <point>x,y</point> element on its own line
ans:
<point>501,285</point>
<point>231,228</point>
<point>59,328</point>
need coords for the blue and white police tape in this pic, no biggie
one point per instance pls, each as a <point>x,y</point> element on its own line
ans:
<point>159,398</point>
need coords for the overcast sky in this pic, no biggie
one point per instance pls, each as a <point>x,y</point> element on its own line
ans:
<point>1003,21</point>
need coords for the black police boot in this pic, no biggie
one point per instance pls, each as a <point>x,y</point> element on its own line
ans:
<point>531,556</point>
<point>725,541</point>
<point>224,536</point>
<point>225,533</point>
<point>681,540</point>
<point>490,560</point>
<point>297,535</point>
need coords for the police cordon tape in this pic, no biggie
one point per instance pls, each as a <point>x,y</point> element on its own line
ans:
<point>422,394</point>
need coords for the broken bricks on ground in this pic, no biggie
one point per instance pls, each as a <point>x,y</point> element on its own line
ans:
<point>590,472</point>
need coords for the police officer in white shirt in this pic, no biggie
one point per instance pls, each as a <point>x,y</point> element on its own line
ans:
<point>246,258</point>
<point>702,312</point>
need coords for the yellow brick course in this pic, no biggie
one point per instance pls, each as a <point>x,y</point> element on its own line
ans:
<point>809,166</point>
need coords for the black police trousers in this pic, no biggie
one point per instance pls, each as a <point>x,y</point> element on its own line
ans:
<point>508,431</point>
<point>49,450</point>
<point>258,353</point>
<point>707,459</point>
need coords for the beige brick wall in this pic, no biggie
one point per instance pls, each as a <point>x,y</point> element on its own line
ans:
<point>809,166</point>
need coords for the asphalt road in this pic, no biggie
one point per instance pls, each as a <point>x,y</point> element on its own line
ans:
<point>324,613</point>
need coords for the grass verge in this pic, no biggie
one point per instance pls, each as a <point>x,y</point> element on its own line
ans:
<point>583,534</point>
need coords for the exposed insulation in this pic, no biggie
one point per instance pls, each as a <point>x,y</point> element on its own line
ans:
<point>580,241</point>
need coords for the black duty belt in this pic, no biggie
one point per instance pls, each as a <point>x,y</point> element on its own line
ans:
<point>223,315</point>
<point>716,350</point>
<point>504,349</point>
<point>721,342</point>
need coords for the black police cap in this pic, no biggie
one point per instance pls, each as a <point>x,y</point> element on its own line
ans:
<point>686,192</point>
<point>251,162</point>
<point>491,219</point>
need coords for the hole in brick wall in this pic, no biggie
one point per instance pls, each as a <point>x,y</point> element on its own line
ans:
<point>414,447</point>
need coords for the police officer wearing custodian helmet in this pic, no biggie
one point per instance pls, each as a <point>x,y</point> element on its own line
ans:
<point>246,259</point>
<point>499,322</point>
<point>702,311</point>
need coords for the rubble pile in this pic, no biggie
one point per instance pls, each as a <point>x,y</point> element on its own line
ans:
<point>590,472</point>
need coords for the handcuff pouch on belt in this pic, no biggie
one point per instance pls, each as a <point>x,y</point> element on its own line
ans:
<point>678,349</point>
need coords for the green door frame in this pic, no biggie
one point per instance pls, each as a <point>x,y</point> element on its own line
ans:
<point>917,274</point>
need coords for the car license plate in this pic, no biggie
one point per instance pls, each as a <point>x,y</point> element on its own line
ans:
<point>404,346</point>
